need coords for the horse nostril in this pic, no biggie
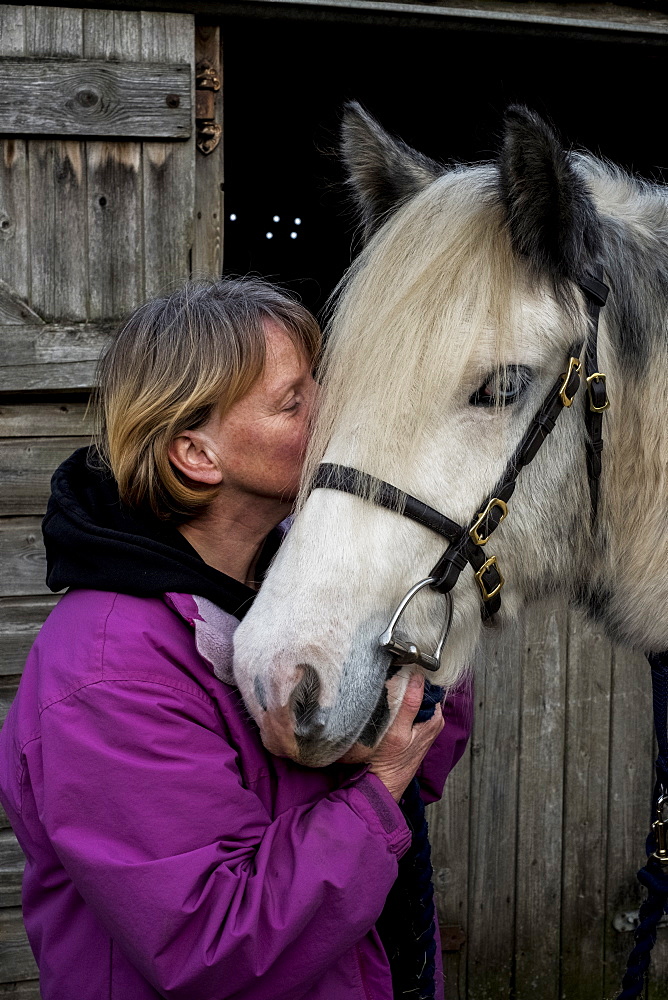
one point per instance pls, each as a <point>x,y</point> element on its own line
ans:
<point>305,697</point>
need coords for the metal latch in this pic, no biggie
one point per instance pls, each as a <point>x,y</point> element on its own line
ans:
<point>207,85</point>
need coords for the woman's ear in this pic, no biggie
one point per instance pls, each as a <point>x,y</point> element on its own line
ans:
<point>191,453</point>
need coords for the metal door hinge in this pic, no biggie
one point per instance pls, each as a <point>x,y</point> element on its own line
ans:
<point>453,937</point>
<point>207,85</point>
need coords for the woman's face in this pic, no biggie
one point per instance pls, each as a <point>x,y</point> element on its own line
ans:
<point>261,440</point>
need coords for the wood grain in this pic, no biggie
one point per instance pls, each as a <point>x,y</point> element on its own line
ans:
<point>168,169</point>
<point>56,181</point>
<point>26,467</point>
<point>63,418</point>
<point>539,846</point>
<point>17,958</point>
<point>52,356</point>
<point>14,206</point>
<point>84,97</point>
<point>115,233</point>
<point>493,824</point>
<point>12,863</point>
<point>585,830</point>
<point>27,990</point>
<point>20,620</point>
<point>22,557</point>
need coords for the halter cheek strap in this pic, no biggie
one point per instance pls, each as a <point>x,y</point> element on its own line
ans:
<point>467,543</point>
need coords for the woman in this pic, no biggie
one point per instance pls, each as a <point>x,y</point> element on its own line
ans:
<point>168,853</point>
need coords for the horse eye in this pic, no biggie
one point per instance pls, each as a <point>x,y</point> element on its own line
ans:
<point>502,387</point>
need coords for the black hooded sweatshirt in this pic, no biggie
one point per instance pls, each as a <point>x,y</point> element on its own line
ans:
<point>95,542</point>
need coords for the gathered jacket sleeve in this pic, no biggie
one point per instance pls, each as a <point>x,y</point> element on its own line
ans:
<point>451,742</point>
<point>204,890</point>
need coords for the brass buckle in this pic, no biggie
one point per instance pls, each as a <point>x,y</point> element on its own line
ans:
<point>598,377</point>
<point>474,534</point>
<point>573,366</point>
<point>488,595</point>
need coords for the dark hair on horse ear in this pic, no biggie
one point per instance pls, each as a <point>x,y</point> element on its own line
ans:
<point>383,172</point>
<point>551,216</point>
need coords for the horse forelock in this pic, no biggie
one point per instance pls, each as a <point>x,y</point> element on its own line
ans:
<point>430,307</point>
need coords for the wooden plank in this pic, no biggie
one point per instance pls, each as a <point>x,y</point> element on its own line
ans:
<point>449,836</point>
<point>168,169</point>
<point>57,180</point>
<point>51,357</point>
<point>27,990</point>
<point>81,97</point>
<point>9,684</point>
<point>78,375</point>
<point>15,311</point>
<point>630,781</point>
<point>583,916</point>
<point>26,467</point>
<point>64,418</point>
<point>115,234</point>
<point>209,178</point>
<point>22,557</point>
<point>14,237</point>
<point>53,343</point>
<point>53,31</point>
<point>17,958</point>
<point>12,863</point>
<point>539,831</point>
<point>4,822</point>
<point>21,618</point>
<point>494,768</point>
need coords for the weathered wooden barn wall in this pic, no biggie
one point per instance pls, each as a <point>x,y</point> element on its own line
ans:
<point>542,827</point>
<point>540,833</point>
<point>92,222</point>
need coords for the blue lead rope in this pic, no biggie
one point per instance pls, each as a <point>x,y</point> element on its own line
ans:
<point>654,876</point>
<point>407,923</point>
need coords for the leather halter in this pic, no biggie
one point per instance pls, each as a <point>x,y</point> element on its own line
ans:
<point>467,543</point>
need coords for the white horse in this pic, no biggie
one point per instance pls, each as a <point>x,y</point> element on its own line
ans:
<point>449,330</point>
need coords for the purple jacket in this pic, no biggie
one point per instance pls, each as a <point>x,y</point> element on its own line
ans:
<point>168,854</point>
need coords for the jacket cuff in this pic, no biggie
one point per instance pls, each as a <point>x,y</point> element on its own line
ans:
<point>369,797</point>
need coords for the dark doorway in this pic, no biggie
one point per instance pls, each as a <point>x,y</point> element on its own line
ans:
<point>440,89</point>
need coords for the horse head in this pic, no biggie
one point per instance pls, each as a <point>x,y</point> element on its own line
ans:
<point>447,333</point>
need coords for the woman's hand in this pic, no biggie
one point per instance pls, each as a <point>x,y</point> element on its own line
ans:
<point>405,745</point>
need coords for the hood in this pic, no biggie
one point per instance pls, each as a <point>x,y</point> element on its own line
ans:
<point>94,542</point>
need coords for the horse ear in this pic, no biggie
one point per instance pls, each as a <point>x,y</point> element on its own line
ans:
<point>552,219</point>
<point>383,172</point>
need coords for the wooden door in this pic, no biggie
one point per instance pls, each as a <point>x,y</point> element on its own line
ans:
<point>105,201</point>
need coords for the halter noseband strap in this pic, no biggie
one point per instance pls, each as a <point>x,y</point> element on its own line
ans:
<point>467,542</point>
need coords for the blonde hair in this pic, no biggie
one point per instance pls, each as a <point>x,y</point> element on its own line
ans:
<point>176,360</point>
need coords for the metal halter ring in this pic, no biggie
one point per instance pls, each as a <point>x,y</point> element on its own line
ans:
<point>406,653</point>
